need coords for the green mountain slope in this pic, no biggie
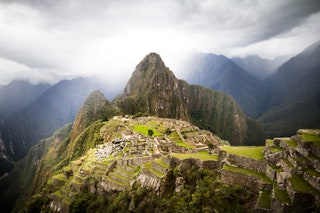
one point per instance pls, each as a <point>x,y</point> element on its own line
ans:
<point>153,89</point>
<point>53,153</point>
<point>294,99</point>
<point>221,73</point>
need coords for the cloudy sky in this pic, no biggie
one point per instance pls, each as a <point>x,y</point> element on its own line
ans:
<point>44,40</point>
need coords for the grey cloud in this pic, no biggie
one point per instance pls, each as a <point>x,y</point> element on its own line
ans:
<point>98,35</point>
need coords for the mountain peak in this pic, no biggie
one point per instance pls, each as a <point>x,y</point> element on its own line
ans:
<point>153,89</point>
<point>150,62</point>
<point>91,110</point>
<point>152,57</point>
<point>150,72</point>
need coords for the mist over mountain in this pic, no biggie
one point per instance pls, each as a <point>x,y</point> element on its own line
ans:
<point>294,94</point>
<point>18,94</point>
<point>57,106</point>
<point>220,73</point>
<point>260,67</point>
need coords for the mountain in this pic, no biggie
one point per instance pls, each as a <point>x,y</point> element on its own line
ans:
<point>17,95</point>
<point>260,67</point>
<point>294,95</point>
<point>51,154</point>
<point>5,164</point>
<point>54,108</point>
<point>153,89</point>
<point>220,73</point>
<point>177,168</point>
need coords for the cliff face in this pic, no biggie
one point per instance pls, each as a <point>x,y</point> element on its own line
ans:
<point>153,89</point>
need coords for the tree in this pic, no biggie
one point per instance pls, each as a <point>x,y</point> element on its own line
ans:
<point>150,132</point>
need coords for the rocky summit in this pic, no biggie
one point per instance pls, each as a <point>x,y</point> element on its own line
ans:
<point>153,89</point>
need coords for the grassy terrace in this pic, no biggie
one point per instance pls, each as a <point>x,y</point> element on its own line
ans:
<point>201,156</point>
<point>311,138</point>
<point>143,129</point>
<point>176,138</point>
<point>291,143</point>
<point>161,163</point>
<point>281,195</point>
<point>300,185</point>
<point>149,167</point>
<point>273,148</point>
<point>264,199</point>
<point>255,152</point>
<point>313,172</point>
<point>261,176</point>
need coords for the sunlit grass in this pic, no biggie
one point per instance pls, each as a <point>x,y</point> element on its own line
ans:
<point>143,129</point>
<point>311,138</point>
<point>300,185</point>
<point>255,152</point>
<point>261,176</point>
<point>174,136</point>
<point>201,156</point>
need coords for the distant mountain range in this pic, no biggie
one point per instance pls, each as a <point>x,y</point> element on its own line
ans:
<point>220,73</point>
<point>19,94</point>
<point>286,100</point>
<point>283,102</point>
<point>294,94</point>
<point>260,67</point>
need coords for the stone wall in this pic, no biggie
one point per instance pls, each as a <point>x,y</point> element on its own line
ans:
<point>314,181</point>
<point>148,179</point>
<point>248,163</point>
<point>247,181</point>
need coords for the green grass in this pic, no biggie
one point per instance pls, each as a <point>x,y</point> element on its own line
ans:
<point>254,152</point>
<point>311,138</point>
<point>281,195</point>
<point>261,176</point>
<point>313,172</point>
<point>300,185</point>
<point>143,129</point>
<point>161,163</point>
<point>174,136</point>
<point>149,167</point>
<point>201,156</point>
<point>291,143</point>
<point>269,142</point>
<point>272,147</point>
<point>115,181</point>
<point>264,199</point>
<point>276,168</point>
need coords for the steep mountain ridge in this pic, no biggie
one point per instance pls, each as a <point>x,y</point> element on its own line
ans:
<point>51,154</point>
<point>294,95</point>
<point>57,106</point>
<point>220,73</point>
<point>153,89</point>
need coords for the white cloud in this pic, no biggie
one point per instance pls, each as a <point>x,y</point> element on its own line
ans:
<point>12,70</point>
<point>80,37</point>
